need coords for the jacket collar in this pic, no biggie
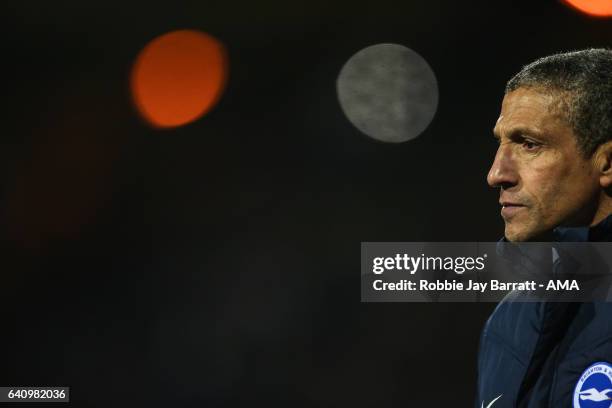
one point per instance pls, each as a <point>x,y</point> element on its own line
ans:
<point>596,233</point>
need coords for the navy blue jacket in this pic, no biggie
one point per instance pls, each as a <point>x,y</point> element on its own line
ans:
<point>537,354</point>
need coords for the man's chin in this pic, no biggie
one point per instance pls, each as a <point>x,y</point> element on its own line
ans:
<point>517,234</point>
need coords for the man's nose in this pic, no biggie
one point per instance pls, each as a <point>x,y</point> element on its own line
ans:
<point>503,171</point>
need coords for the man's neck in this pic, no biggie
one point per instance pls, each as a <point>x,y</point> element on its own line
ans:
<point>604,209</point>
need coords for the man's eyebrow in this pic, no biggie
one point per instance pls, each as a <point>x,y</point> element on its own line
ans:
<point>519,131</point>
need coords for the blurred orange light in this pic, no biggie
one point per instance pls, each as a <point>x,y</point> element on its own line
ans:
<point>598,8</point>
<point>178,77</point>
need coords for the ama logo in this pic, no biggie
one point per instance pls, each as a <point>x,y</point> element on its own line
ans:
<point>594,388</point>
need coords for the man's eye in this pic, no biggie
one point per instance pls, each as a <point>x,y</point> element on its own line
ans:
<point>529,145</point>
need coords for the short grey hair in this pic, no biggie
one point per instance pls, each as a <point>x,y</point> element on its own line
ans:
<point>583,80</point>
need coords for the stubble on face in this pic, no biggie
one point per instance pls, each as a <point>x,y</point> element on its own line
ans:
<point>544,179</point>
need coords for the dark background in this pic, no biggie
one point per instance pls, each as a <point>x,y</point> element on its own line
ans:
<point>217,264</point>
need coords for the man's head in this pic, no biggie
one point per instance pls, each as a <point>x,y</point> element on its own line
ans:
<point>554,161</point>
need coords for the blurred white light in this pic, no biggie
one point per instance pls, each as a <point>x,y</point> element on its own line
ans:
<point>388,92</point>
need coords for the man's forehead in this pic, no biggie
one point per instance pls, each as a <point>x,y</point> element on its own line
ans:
<point>526,102</point>
<point>496,129</point>
<point>525,110</point>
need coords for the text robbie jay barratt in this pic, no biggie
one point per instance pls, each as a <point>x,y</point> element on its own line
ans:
<point>494,285</point>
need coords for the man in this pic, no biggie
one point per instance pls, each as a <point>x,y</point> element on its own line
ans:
<point>553,168</point>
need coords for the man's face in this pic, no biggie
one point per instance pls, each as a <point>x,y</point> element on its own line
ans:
<point>544,179</point>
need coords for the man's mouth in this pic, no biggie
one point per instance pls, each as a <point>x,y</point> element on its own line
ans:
<point>509,209</point>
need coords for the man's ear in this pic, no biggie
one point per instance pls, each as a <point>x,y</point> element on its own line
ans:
<point>603,164</point>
